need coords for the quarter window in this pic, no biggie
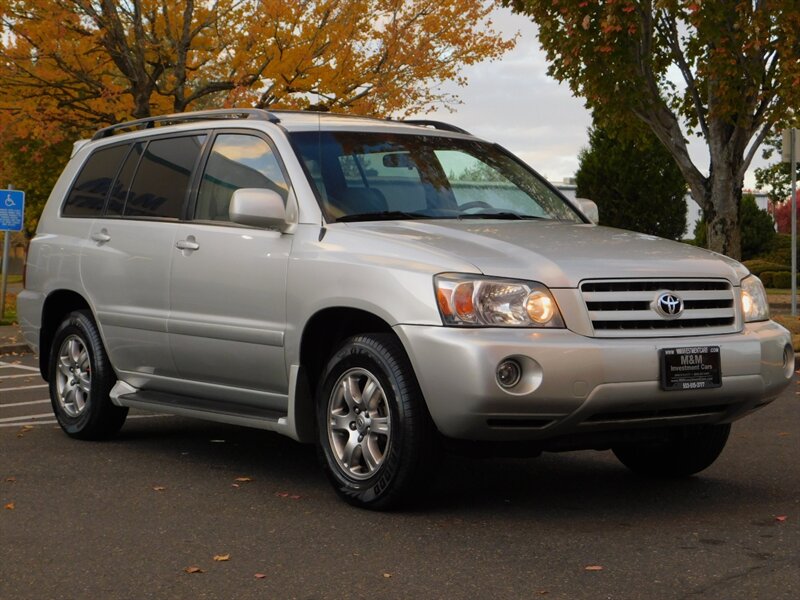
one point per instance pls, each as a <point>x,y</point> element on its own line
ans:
<point>162,180</point>
<point>237,161</point>
<point>88,194</point>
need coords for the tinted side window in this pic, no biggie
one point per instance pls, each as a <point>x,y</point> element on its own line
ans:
<point>119,191</point>
<point>88,193</point>
<point>162,180</point>
<point>236,161</point>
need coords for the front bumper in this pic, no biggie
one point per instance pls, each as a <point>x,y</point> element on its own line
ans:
<point>574,384</point>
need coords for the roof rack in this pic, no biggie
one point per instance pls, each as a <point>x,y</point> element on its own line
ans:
<point>436,125</point>
<point>200,115</point>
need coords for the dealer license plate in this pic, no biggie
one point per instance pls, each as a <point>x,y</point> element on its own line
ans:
<point>691,368</point>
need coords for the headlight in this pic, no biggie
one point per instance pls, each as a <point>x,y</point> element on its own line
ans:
<point>754,300</point>
<point>472,300</point>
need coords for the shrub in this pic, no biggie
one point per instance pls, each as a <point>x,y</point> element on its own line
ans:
<point>767,278</point>
<point>782,280</point>
<point>757,266</point>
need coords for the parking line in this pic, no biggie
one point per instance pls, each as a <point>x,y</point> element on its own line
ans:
<point>7,419</point>
<point>4,377</point>
<point>5,365</point>
<point>24,387</point>
<point>24,403</point>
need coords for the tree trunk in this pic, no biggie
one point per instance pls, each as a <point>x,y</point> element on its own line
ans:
<point>724,197</point>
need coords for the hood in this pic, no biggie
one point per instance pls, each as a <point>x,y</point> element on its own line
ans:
<point>558,254</point>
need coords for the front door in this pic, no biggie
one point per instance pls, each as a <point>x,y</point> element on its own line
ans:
<point>228,283</point>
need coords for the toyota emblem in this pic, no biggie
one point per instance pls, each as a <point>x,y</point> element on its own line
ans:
<point>669,306</point>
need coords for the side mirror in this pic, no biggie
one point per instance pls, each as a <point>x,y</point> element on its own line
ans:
<point>589,209</point>
<point>258,207</point>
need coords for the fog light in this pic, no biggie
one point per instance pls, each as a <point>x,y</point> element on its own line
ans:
<point>508,373</point>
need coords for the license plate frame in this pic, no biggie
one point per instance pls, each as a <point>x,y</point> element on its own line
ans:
<point>690,368</point>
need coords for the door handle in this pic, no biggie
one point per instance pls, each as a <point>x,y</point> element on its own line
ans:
<point>188,244</point>
<point>101,237</point>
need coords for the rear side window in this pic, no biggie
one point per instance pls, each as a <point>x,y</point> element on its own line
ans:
<point>88,194</point>
<point>119,193</point>
<point>162,180</point>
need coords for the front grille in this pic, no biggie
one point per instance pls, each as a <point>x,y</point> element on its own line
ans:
<point>624,308</point>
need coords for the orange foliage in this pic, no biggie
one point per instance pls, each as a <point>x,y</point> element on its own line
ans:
<point>80,64</point>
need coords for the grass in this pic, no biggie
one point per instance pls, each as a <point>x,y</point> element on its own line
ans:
<point>10,314</point>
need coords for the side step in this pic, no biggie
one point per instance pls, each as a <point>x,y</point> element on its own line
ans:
<point>211,410</point>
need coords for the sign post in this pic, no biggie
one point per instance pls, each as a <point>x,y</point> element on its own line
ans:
<point>791,153</point>
<point>12,217</point>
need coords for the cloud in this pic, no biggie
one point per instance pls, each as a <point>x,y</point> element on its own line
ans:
<point>515,103</point>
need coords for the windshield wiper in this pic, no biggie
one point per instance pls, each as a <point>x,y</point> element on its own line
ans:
<point>386,215</point>
<point>510,216</point>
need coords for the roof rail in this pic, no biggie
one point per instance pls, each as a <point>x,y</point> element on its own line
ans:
<point>200,115</point>
<point>436,125</point>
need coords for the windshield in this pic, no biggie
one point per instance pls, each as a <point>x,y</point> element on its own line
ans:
<point>371,176</point>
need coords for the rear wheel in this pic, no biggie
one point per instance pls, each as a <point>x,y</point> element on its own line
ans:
<point>376,437</point>
<point>81,378</point>
<point>689,451</point>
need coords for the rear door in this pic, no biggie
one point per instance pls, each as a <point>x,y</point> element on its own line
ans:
<point>127,267</point>
<point>228,291</point>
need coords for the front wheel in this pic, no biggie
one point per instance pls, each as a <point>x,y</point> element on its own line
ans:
<point>81,378</point>
<point>688,451</point>
<point>376,437</point>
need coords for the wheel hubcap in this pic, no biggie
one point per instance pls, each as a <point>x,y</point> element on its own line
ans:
<point>359,423</point>
<point>73,376</point>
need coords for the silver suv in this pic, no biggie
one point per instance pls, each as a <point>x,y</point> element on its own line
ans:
<point>383,289</point>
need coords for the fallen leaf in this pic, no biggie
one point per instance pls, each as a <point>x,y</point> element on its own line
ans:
<point>260,576</point>
<point>783,434</point>
<point>222,557</point>
<point>11,479</point>
<point>158,488</point>
<point>244,479</point>
<point>781,518</point>
<point>387,575</point>
<point>236,485</point>
<point>193,570</point>
<point>9,506</point>
<point>295,497</point>
<point>593,568</point>
<point>282,494</point>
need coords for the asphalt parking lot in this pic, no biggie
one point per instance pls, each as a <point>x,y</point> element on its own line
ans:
<point>128,518</point>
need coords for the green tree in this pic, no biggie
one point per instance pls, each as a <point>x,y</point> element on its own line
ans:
<point>758,229</point>
<point>725,70</point>
<point>776,178</point>
<point>634,182</point>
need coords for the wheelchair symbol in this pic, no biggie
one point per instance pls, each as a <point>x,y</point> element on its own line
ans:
<point>9,201</point>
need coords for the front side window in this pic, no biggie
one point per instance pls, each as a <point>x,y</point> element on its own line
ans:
<point>368,176</point>
<point>162,180</point>
<point>237,161</point>
<point>88,194</point>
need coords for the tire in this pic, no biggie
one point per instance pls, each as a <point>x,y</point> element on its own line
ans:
<point>81,378</point>
<point>689,451</point>
<point>376,452</point>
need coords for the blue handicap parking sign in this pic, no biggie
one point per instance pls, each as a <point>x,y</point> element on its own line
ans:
<point>12,210</point>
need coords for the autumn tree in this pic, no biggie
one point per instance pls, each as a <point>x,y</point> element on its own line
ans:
<point>86,63</point>
<point>725,70</point>
<point>634,183</point>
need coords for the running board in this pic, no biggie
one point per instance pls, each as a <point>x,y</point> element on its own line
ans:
<point>210,410</point>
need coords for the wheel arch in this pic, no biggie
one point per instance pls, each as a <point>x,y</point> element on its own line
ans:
<point>57,305</point>
<point>323,333</point>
